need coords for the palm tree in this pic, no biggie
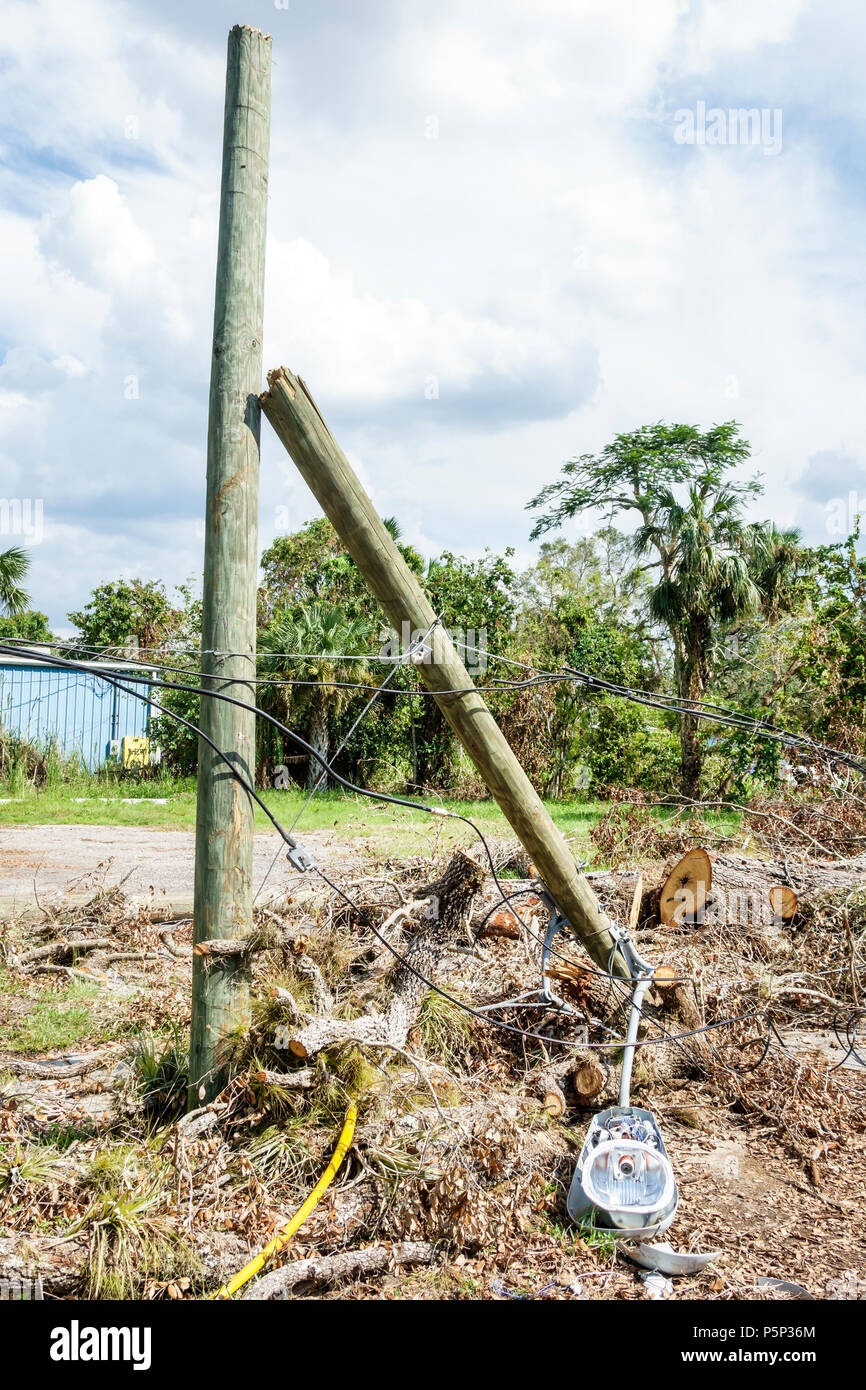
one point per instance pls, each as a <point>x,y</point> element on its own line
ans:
<point>716,571</point>
<point>14,564</point>
<point>318,639</point>
<point>779,565</point>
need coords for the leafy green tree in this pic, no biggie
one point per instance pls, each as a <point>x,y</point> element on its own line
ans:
<point>579,607</point>
<point>759,668</point>
<point>123,610</point>
<point>709,561</point>
<point>14,565</point>
<point>806,671</point>
<point>831,655</point>
<point>712,563</point>
<point>29,626</point>
<point>474,594</point>
<point>320,636</point>
<point>602,574</point>
<point>311,566</point>
<point>476,600</point>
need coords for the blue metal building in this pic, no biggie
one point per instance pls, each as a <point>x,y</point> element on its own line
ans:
<point>74,710</point>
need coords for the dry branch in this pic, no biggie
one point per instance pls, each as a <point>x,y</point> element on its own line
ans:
<point>243,946</point>
<point>384,961</point>
<point>56,949</point>
<point>196,1122</point>
<point>313,975</point>
<point>288,1005</point>
<point>300,1080</point>
<point>441,923</point>
<point>50,1069</point>
<point>166,936</point>
<point>509,854</point>
<point>348,1264</point>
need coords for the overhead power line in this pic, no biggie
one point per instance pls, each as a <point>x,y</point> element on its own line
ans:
<point>119,683</point>
<point>667,704</point>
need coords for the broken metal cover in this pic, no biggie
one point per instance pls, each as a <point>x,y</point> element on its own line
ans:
<point>624,1182</point>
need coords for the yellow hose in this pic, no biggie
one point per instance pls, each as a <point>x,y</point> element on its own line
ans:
<point>300,1216</point>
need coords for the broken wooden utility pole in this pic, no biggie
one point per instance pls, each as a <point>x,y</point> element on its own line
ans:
<point>296,419</point>
<point>224,815</point>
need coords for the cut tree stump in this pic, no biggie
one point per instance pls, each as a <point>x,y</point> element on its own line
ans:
<point>501,924</point>
<point>751,893</point>
<point>580,1077</point>
<point>783,901</point>
<point>589,1079</point>
<point>683,893</point>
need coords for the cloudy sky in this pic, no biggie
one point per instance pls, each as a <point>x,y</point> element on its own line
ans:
<point>499,232</point>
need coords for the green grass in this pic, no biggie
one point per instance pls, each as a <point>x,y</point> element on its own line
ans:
<point>22,1164</point>
<point>132,1236</point>
<point>101,800</point>
<point>82,803</point>
<point>55,1021</point>
<point>98,800</point>
<point>445,1028</point>
<point>161,1070</point>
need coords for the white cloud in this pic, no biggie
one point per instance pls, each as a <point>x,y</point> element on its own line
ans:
<point>369,351</point>
<point>502,59</point>
<point>44,306</point>
<point>552,259</point>
<point>97,78</point>
<point>94,235</point>
<point>739,26</point>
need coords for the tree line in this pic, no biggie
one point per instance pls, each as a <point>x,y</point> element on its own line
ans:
<point>675,590</point>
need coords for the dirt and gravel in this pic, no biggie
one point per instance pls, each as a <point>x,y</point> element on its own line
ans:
<point>456,1180</point>
<point>39,863</point>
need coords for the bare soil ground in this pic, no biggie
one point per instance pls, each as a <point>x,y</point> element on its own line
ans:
<point>106,1190</point>
<point>40,864</point>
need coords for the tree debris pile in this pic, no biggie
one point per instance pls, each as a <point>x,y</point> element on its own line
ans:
<point>826,824</point>
<point>467,1135</point>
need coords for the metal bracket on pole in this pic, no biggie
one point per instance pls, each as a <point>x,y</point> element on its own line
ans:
<point>417,654</point>
<point>544,995</point>
<point>299,857</point>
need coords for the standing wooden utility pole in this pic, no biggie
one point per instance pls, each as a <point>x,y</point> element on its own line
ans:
<point>224,816</point>
<point>296,419</point>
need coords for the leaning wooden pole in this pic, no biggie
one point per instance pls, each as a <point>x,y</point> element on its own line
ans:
<point>224,817</point>
<point>296,418</point>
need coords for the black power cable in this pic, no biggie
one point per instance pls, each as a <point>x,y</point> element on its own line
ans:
<point>64,664</point>
<point>510,1027</point>
<point>400,801</point>
<point>717,714</point>
<point>668,704</point>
